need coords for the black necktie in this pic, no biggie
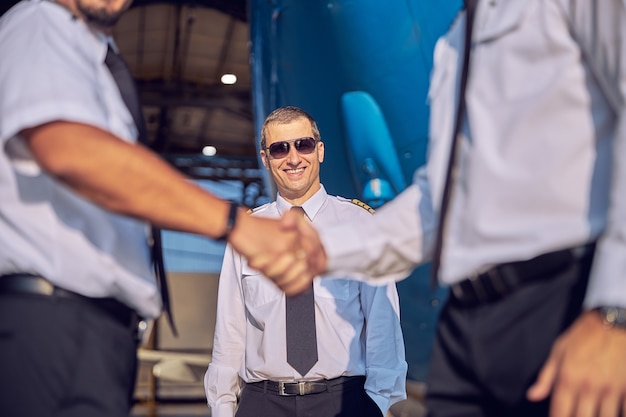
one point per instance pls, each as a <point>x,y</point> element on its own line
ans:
<point>128,89</point>
<point>300,328</point>
<point>470,9</point>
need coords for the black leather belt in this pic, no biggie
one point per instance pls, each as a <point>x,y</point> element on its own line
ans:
<point>289,388</point>
<point>37,285</point>
<point>503,279</point>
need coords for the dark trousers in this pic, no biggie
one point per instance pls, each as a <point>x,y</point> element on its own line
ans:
<point>62,358</point>
<point>346,401</point>
<point>486,357</point>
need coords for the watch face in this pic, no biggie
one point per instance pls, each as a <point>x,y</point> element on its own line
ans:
<point>613,316</point>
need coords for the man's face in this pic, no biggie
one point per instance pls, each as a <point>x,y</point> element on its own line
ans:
<point>297,175</point>
<point>101,13</point>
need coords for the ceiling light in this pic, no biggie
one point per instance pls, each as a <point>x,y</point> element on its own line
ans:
<point>229,79</point>
<point>209,151</point>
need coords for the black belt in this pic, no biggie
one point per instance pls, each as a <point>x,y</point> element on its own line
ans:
<point>37,285</point>
<point>503,279</point>
<point>288,388</point>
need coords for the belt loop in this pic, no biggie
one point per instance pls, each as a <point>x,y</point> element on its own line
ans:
<point>582,251</point>
<point>265,386</point>
<point>497,281</point>
<point>479,289</point>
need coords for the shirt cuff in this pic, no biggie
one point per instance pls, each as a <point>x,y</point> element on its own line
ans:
<point>381,401</point>
<point>223,410</point>
<point>607,282</point>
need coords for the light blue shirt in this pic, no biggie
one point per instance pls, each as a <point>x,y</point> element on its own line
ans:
<point>53,69</point>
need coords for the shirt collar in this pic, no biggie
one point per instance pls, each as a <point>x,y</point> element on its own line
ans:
<point>311,206</point>
<point>100,40</point>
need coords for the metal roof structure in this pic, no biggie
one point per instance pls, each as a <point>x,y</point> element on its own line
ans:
<point>178,52</point>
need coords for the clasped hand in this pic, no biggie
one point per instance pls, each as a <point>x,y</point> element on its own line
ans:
<point>288,250</point>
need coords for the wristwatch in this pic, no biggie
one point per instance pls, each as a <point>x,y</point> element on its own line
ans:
<point>613,316</point>
<point>230,221</point>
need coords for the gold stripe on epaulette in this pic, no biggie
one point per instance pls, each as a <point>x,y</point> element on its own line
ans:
<point>362,205</point>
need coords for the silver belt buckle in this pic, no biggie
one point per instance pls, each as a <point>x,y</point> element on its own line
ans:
<point>301,388</point>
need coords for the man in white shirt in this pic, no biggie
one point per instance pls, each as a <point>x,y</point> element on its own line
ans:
<point>360,368</point>
<point>77,197</point>
<point>534,247</point>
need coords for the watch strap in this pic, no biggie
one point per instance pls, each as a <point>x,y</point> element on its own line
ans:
<point>231,221</point>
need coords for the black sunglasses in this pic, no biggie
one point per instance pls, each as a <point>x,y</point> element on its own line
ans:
<point>280,149</point>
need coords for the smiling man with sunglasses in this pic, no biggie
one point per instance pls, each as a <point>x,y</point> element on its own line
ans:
<point>296,174</point>
<point>356,363</point>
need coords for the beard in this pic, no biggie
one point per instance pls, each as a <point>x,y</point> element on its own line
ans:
<point>101,16</point>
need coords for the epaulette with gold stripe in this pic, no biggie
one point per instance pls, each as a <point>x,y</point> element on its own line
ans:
<point>255,209</point>
<point>361,204</point>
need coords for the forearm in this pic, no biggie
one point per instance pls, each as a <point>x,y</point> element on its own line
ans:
<point>386,366</point>
<point>607,282</point>
<point>125,178</point>
<point>389,246</point>
<point>221,387</point>
<point>222,382</point>
<point>598,28</point>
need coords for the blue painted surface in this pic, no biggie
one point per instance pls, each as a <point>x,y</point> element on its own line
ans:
<point>370,147</point>
<point>310,53</point>
<point>184,252</point>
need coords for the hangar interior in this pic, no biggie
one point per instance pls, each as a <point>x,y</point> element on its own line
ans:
<point>183,55</point>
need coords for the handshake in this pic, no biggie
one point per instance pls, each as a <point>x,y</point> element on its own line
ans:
<point>286,250</point>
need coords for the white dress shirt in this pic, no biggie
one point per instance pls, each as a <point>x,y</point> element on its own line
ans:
<point>52,69</point>
<point>249,338</point>
<point>542,164</point>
